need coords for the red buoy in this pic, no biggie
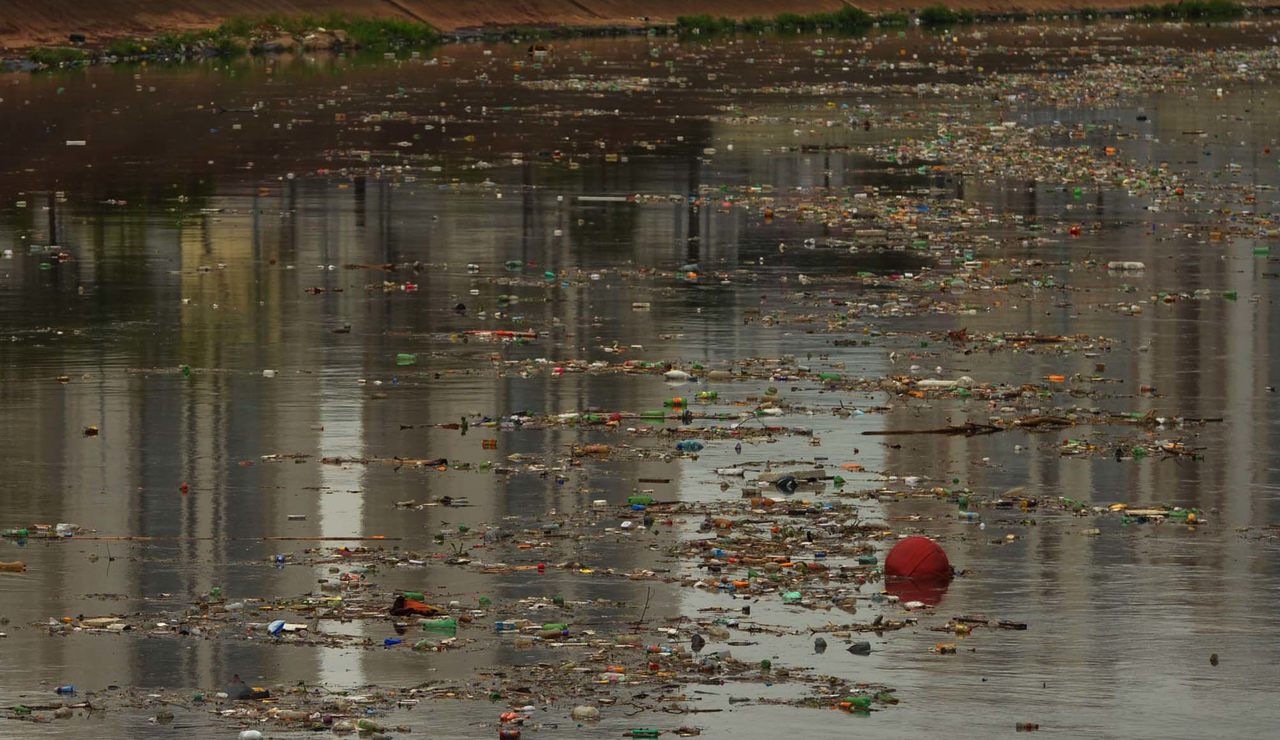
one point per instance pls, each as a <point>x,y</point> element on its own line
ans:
<point>917,557</point>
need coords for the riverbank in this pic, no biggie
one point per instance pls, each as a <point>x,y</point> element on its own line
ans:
<point>28,24</point>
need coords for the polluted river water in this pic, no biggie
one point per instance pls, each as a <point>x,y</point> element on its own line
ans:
<point>635,356</point>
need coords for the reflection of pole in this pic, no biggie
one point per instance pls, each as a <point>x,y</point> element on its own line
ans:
<point>527,202</point>
<point>359,186</point>
<point>53,220</point>
<point>290,236</point>
<point>385,233</point>
<point>343,428</point>
<point>693,240</point>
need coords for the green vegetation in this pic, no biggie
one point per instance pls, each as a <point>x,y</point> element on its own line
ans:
<point>845,20</point>
<point>368,32</point>
<point>237,35</point>
<point>385,32</point>
<point>704,24</point>
<point>56,56</point>
<point>850,20</point>
<point>941,15</point>
<point>126,48</point>
<point>214,42</point>
<point>1192,10</point>
<point>234,36</point>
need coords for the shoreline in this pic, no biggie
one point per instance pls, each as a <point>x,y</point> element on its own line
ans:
<point>172,38</point>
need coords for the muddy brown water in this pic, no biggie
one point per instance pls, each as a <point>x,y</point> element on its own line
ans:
<point>209,198</point>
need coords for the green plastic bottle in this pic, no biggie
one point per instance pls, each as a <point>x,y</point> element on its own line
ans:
<point>404,359</point>
<point>645,732</point>
<point>444,624</point>
<point>642,500</point>
<point>415,595</point>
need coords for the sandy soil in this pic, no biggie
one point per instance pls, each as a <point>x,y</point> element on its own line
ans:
<point>27,23</point>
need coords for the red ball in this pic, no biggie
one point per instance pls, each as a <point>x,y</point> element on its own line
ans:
<point>919,558</point>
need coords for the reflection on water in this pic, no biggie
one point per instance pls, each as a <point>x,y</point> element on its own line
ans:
<point>188,242</point>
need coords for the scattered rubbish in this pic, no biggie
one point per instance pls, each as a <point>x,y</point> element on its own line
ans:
<point>585,714</point>
<point>407,605</point>
<point>895,272</point>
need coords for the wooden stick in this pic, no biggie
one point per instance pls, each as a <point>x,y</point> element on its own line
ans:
<point>969,430</point>
<point>178,538</point>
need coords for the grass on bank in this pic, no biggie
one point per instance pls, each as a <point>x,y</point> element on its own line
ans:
<point>1192,10</point>
<point>853,20</point>
<point>846,20</point>
<point>237,36</point>
<point>57,56</point>
<point>366,32</point>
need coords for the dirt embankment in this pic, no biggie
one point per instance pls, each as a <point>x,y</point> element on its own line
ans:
<point>27,23</point>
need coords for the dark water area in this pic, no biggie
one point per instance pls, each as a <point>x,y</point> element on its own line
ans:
<point>234,218</point>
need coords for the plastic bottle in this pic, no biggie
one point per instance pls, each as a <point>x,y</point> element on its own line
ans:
<point>405,359</point>
<point>66,689</point>
<point>505,626</point>
<point>645,732</point>
<point>444,624</point>
<point>708,395</point>
<point>643,500</point>
<point>17,533</point>
<point>689,445</point>
<point>390,641</point>
<point>675,402</point>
